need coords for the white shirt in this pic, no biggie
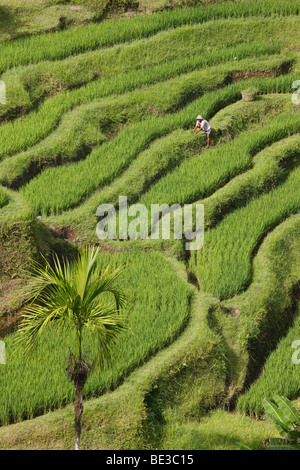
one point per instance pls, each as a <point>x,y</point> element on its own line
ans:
<point>204,125</point>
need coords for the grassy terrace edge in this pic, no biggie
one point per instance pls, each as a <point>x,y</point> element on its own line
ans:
<point>169,400</point>
<point>62,44</point>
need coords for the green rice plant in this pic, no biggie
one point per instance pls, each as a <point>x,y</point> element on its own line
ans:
<point>158,314</point>
<point>106,162</point>
<point>44,191</point>
<point>15,210</point>
<point>20,19</point>
<point>288,424</point>
<point>79,130</point>
<point>196,350</point>
<point>286,420</point>
<point>20,134</point>
<point>196,337</point>
<point>268,168</point>
<point>63,44</point>
<point>78,133</point>
<point>266,307</point>
<point>4,197</point>
<point>209,104</point>
<point>27,86</point>
<point>280,374</point>
<point>223,266</point>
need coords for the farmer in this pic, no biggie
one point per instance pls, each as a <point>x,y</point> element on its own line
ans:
<point>202,125</point>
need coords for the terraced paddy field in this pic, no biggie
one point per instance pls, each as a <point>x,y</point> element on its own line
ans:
<point>107,110</point>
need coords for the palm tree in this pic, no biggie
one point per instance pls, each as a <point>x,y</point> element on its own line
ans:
<point>70,296</point>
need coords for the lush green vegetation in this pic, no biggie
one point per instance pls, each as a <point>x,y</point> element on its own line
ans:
<point>141,134</point>
<point>37,16</point>
<point>185,185</point>
<point>108,110</point>
<point>240,231</point>
<point>20,134</point>
<point>4,198</point>
<point>66,43</point>
<point>27,86</point>
<point>158,314</point>
<point>269,167</point>
<point>78,133</point>
<point>219,431</point>
<point>19,18</point>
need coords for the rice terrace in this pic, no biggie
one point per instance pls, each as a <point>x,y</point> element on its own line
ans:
<point>189,107</point>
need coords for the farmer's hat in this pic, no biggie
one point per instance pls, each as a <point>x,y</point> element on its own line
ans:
<point>199,117</point>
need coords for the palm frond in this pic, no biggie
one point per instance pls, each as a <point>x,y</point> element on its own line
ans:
<point>84,268</point>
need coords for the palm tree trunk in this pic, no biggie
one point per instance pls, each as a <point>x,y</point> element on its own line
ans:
<point>78,408</point>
